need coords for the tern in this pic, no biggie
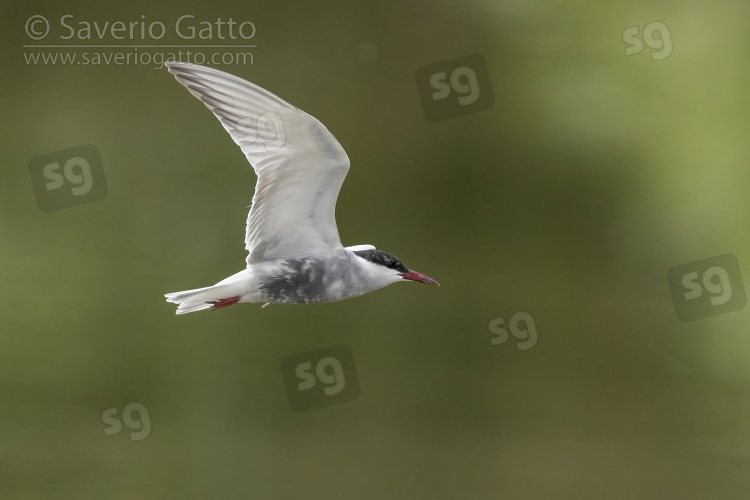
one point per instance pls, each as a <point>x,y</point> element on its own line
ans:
<point>295,255</point>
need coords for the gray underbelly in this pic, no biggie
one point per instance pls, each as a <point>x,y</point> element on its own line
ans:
<point>309,280</point>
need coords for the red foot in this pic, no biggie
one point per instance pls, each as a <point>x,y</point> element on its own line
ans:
<point>224,302</point>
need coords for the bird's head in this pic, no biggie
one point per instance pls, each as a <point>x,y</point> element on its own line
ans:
<point>387,268</point>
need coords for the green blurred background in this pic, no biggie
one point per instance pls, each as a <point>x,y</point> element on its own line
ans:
<point>593,174</point>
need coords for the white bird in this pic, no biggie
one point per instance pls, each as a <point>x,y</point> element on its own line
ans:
<point>295,254</point>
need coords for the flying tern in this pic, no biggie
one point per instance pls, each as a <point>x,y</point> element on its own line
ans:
<point>295,253</point>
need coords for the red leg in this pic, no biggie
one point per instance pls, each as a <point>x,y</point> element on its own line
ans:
<point>224,302</point>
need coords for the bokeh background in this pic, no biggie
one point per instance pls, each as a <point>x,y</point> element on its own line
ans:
<point>591,176</point>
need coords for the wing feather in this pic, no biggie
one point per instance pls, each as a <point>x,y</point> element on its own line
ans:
<point>300,165</point>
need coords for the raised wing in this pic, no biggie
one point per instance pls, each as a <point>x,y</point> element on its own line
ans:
<point>300,165</point>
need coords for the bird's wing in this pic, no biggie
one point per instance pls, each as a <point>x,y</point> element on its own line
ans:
<point>300,165</point>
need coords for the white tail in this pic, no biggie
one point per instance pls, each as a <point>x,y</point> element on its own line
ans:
<point>210,297</point>
<point>224,293</point>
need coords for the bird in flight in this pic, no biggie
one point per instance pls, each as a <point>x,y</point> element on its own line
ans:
<point>295,254</point>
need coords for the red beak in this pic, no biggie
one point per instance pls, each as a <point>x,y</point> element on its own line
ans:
<point>421,278</point>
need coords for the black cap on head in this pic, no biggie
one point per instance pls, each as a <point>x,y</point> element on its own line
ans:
<point>383,259</point>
